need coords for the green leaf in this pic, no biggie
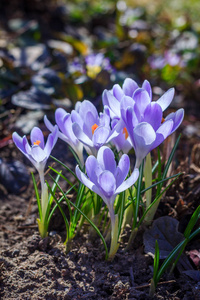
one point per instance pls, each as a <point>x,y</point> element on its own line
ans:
<point>37,196</point>
<point>61,210</point>
<point>156,260</point>
<point>94,226</point>
<point>192,222</point>
<point>137,203</point>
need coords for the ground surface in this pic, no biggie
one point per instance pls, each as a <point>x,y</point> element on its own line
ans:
<point>32,268</point>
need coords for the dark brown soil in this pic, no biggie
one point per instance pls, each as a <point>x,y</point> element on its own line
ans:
<point>32,268</point>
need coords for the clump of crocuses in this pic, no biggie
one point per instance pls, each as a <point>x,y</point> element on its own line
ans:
<point>130,119</point>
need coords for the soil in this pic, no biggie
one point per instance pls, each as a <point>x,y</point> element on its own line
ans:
<point>32,268</point>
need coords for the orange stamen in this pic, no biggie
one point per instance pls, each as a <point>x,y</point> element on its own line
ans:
<point>94,127</point>
<point>37,142</point>
<point>163,120</point>
<point>125,132</point>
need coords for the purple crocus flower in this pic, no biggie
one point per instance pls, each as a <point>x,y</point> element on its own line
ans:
<point>95,63</point>
<point>38,152</point>
<point>107,179</point>
<point>64,122</point>
<point>112,99</point>
<point>91,129</point>
<point>169,58</point>
<point>144,121</point>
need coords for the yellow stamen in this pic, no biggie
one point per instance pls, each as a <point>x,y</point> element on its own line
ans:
<point>94,127</point>
<point>163,120</point>
<point>37,142</point>
<point>125,132</point>
<point>93,71</point>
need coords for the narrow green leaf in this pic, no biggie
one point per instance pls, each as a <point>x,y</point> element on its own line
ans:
<point>37,196</point>
<point>192,222</point>
<point>62,164</point>
<point>156,199</point>
<point>59,201</point>
<point>65,178</point>
<point>94,226</point>
<point>61,210</point>
<point>171,157</point>
<point>156,260</point>
<point>161,181</point>
<point>50,200</point>
<point>137,203</point>
<point>121,212</point>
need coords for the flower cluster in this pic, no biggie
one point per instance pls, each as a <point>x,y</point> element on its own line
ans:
<point>130,119</point>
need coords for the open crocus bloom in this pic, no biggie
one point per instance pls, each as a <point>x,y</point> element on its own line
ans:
<point>95,63</point>
<point>107,179</point>
<point>130,90</point>
<point>145,123</point>
<point>91,129</point>
<point>65,133</point>
<point>38,152</point>
<point>112,99</point>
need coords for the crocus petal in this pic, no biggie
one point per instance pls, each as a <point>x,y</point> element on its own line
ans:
<point>60,114</point>
<point>177,118</point>
<point>20,142</point>
<point>48,124</point>
<point>38,154</point>
<point>125,103</point>
<point>105,98</point>
<point>100,136</point>
<point>85,107</point>
<point>104,119</point>
<point>146,86</point>
<point>83,178</point>
<point>162,133</point>
<point>87,126</point>
<point>165,100</point>
<point>106,159</point>
<point>132,117</point>
<point>128,183</point>
<point>37,136</point>
<point>93,169</point>
<point>107,183</point>
<point>117,129</point>
<point>51,141</point>
<point>129,87</point>
<point>112,103</point>
<point>118,92</point>
<point>121,143</point>
<point>122,169</point>
<point>67,130</point>
<point>142,99</point>
<point>144,136</point>
<point>153,115</point>
<point>81,136</point>
<point>76,118</point>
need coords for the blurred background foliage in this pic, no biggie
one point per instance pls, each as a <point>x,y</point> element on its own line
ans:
<point>55,53</point>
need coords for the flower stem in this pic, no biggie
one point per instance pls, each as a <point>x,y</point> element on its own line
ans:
<point>114,234</point>
<point>44,204</point>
